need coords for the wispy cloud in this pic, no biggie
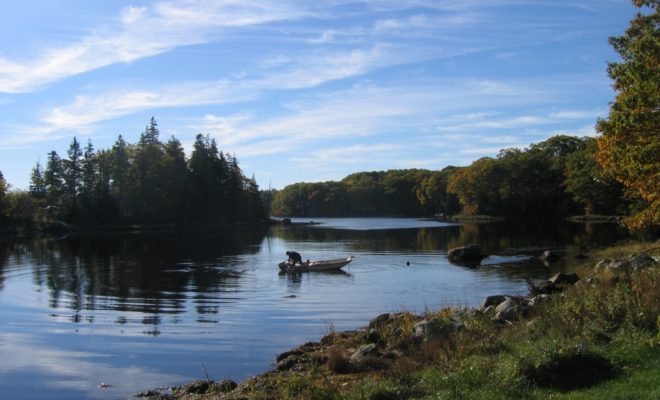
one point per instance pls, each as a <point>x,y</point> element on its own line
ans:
<point>586,130</point>
<point>139,32</point>
<point>87,110</point>
<point>495,121</point>
<point>310,70</point>
<point>363,112</point>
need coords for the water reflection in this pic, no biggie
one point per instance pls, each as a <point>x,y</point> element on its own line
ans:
<point>494,237</point>
<point>295,278</point>
<point>64,371</point>
<point>159,304</point>
<point>137,273</point>
<point>163,274</point>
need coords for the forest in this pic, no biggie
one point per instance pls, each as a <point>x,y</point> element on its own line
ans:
<point>555,178</point>
<point>615,173</point>
<point>151,182</point>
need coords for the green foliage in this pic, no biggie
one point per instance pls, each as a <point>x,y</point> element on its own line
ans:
<point>590,185</point>
<point>549,179</point>
<point>149,182</point>
<point>412,192</point>
<point>3,194</point>
<point>629,147</point>
<point>576,367</point>
<point>554,178</point>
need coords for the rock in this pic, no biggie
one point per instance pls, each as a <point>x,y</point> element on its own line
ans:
<point>373,336</point>
<point>641,261</point>
<point>564,279</point>
<point>546,287</point>
<point>148,393</point>
<point>429,329</point>
<point>549,256</point>
<point>600,265</point>
<point>507,310</point>
<point>381,320</point>
<point>541,298</point>
<point>508,315</point>
<point>363,351</point>
<point>492,301</point>
<point>618,266</point>
<point>506,304</point>
<point>226,385</point>
<point>466,255</point>
<point>196,387</point>
<point>289,363</point>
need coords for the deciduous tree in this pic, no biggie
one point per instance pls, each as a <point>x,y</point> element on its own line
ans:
<point>629,147</point>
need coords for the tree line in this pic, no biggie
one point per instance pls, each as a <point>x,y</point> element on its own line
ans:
<point>150,182</point>
<point>616,173</point>
<point>557,177</point>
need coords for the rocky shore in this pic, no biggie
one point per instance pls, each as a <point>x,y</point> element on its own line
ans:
<point>402,344</point>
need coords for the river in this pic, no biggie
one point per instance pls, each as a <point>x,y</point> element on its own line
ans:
<point>103,316</point>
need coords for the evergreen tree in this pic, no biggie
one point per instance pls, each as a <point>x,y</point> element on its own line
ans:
<point>3,195</point>
<point>148,185</point>
<point>37,182</point>
<point>175,184</point>
<point>73,173</point>
<point>120,175</point>
<point>54,179</point>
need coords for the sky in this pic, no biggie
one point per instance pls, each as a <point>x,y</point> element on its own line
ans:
<point>304,91</point>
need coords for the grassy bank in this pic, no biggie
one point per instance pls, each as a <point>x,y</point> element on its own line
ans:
<point>597,338</point>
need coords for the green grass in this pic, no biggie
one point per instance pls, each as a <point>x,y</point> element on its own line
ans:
<point>606,332</point>
<point>606,325</point>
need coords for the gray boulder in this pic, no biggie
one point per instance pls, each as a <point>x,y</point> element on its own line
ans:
<point>507,310</point>
<point>363,351</point>
<point>505,305</point>
<point>536,300</point>
<point>492,301</point>
<point>508,315</point>
<point>466,255</point>
<point>429,329</point>
<point>641,261</point>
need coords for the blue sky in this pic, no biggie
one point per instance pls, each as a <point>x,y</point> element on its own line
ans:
<point>304,90</point>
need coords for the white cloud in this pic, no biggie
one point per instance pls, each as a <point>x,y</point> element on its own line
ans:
<point>586,130</point>
<point>86,110</point>
<point>350,116</point>
<point>576,114</point>
<point>139,32</point>
<point>72,370</point>
<point>317,68</point>
<point>132,14</point>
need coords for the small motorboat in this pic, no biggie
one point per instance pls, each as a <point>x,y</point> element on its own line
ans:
<point>319,265</point>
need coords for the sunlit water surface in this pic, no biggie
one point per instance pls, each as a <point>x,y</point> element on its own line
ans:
<point>105,316</point>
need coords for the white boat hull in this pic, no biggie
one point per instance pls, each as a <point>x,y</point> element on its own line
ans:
<point>320,265</point>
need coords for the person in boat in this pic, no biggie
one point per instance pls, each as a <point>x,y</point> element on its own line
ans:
<point>294,257</point>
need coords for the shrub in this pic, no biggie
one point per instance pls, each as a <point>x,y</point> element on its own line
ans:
<point>572,369</point>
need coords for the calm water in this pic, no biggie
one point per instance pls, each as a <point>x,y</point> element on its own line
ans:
<point>138,311</point>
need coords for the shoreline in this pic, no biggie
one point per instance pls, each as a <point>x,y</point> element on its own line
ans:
<point>342,364</point>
